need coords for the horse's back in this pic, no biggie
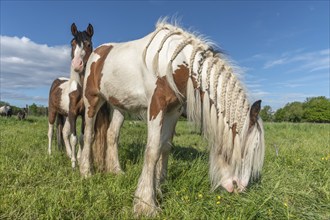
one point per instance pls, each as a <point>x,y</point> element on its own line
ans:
<point>117,71</point>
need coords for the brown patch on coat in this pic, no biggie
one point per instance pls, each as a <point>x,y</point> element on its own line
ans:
<point>94,78</point>
<point>75,107</point>
<point>164,98</point>
<point>54,101</point>
<point>116,102</point>
<point>88,50</point>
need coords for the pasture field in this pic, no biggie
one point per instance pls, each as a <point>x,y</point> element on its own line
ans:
<point>295,182</point>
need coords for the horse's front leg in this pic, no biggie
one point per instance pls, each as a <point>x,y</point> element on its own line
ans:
<point>145,194</point>
<point>112,160</point>
<point>81,138</point>
<point>92,106</point>
<point>66,134</point>
<point>73,137</point>
<point>169,123</point>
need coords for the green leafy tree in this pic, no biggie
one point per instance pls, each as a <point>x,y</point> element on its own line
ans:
<point>317,109</point>
<point>266,113</point>
<point>33,109</point>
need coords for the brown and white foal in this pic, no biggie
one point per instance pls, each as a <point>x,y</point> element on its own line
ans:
<point>65,95</point>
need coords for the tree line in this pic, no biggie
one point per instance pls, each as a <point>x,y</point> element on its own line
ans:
<point>314,109</point>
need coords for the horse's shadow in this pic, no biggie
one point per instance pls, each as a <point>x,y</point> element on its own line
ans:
<point>134,152</point>
<point>186,153</point>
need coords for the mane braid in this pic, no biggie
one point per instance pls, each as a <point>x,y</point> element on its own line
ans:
<point>151,39</point>
<point>192,57</point>
<point>156,57</point>
<point>234,98</point>
<point>200,68</point>
<point>216,79</point>
<point>169,71</point>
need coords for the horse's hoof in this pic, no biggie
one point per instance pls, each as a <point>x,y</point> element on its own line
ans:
<point>142,208</point>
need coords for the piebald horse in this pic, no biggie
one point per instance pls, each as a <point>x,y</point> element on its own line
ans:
<point>65,95</point>
<point>160,73</point>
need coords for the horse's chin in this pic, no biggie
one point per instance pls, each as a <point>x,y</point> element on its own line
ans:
<point>79,69</point>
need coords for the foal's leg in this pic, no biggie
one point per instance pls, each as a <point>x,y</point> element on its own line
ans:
<point>90,116</point>
<point>112,160</point>
<point>81,139</point>
<point>51,121</point>
<point>145,195</point>
<point>169,123</point>
<point>73,138</point>
<point>66,134</point>
<point>50,136</point>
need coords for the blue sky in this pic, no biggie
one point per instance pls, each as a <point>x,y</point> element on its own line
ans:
<point>282,46</point>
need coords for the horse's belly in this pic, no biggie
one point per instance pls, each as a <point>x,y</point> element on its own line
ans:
<point>128,93</point>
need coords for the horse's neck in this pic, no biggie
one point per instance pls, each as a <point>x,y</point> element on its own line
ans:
<point>75,76</point>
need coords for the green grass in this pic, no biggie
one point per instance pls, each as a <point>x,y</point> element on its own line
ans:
<point>295,183</point>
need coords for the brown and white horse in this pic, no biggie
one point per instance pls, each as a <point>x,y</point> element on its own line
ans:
<point>65,95</point>
<point>160,73</point>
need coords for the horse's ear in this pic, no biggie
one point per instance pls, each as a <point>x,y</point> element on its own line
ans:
<point>74,30</point>
<point>90,30</point>
<point>254,112</point>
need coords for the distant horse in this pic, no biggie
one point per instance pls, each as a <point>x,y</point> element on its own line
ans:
<point>65,94</point>
<point>6,111</point>
<point>160,73</point>
<point>21,115</point>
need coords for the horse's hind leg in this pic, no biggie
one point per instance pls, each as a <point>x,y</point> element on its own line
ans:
<point>112,160</point>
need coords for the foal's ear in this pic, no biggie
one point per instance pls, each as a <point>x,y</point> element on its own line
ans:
<point>90,30</point>
<point>74,30</point>
<point>255,109</point>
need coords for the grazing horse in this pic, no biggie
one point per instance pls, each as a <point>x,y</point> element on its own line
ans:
<point>65,95</point>
<point>161,73</point>
<point>6,111</point>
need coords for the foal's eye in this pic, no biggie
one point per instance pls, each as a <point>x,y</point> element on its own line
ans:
<point>88,44</point>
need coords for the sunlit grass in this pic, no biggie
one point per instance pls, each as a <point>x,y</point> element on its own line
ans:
<point>295,182</point>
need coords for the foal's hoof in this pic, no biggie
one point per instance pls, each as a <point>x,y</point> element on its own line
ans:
<point>73,165</point>
<point>85,171</point>
<point>142,208</point>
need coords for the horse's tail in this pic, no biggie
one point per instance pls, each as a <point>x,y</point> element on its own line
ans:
<point>99,146</point>
<point>59,131</point>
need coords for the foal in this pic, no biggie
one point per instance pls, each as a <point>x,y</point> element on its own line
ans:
<point>65,95</point>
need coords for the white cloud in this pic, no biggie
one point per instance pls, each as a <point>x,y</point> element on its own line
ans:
<point>306,61</point>
<point>29,65</point>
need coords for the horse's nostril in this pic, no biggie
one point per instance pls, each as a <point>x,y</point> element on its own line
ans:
<point>234,183</point>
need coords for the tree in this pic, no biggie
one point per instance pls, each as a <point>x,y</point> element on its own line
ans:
<point>292,112</point>
<point>266,113</point>
<point>33,109</point>
<point>317,109</point>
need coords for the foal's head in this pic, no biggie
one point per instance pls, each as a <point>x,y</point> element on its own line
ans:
<point>81,47</point>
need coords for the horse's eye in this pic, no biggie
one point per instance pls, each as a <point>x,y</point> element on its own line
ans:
<point>87,44</point>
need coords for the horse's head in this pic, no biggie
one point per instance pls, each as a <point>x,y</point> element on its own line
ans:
<point>251,155</point>
<point>81,47</point>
